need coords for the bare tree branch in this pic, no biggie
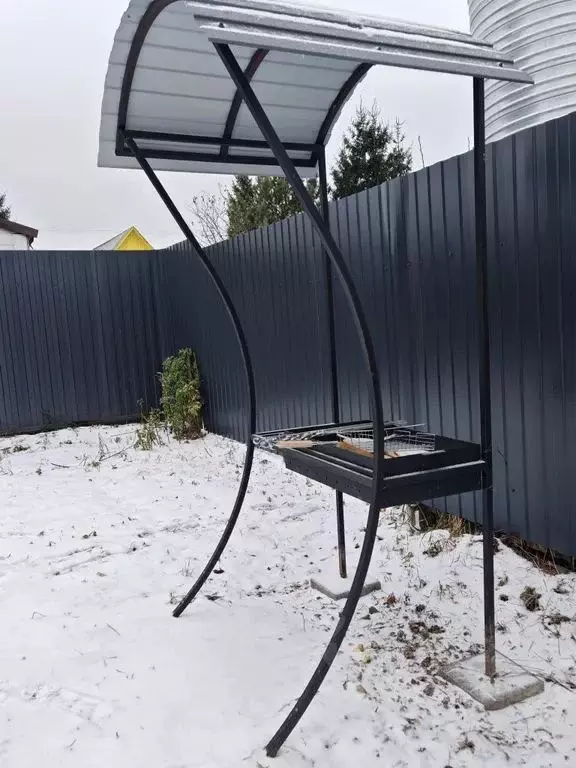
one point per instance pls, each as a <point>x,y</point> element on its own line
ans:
<point>210,213</point>
<point>421,151</point>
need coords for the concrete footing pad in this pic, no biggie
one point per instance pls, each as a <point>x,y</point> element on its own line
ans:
<point>511,685</point>
<point>337,588</point>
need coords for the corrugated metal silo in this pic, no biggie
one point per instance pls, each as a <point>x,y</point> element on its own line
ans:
<point>541,36</point>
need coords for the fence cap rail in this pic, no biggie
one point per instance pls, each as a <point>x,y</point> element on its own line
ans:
<point>167,87</point>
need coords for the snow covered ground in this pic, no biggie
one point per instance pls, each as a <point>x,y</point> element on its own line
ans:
<point>97,541</point>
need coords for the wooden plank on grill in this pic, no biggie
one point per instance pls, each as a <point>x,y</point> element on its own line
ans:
<point>363,452</point>
<point>345,445</point>
<point>282,444</point>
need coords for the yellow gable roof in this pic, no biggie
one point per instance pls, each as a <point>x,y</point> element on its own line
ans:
<point>129,240</point>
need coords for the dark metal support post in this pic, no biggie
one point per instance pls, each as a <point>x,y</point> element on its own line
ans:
<point>483,313</point>
<point>340,527</point>
<point>341,268</point>
<point>233,315</point>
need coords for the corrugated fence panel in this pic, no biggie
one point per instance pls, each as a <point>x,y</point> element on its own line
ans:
<point>441,307</point>
<point>275,277</point>
<point>563,523</point>
<point>80,337</point>
<point>533,278</point>
<point>369,228</point>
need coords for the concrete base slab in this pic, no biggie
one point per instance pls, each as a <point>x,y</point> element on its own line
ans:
<point>511,685</point>
<point>337,588</point>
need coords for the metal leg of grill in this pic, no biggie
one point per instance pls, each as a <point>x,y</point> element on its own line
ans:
<point>340,527</point>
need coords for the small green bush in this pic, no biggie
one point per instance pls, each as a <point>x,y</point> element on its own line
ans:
<point>181,401</point>
<point>149,432</point>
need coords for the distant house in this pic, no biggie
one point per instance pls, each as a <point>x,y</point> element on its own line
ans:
<point>16,237</point>
<point>129,240</point>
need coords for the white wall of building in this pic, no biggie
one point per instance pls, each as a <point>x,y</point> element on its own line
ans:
<point>12,242</point>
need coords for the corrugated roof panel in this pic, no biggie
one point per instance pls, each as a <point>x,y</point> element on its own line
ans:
<point>294,126</point>
<point>318,71</point>
<point>305,91</point>
<point>297,125</point>
<point>206,127</point>
<point>179,108</point>
<point>302,62</point>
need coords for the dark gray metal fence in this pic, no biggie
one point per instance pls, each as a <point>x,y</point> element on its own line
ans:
<point>82,334</point>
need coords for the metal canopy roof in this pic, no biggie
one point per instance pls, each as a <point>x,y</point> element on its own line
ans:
<point>167,87</point>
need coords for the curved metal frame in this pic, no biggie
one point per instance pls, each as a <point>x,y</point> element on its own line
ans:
<point>125,138</point>
<point>335,108</point>
<point>339,264</point>
<point>233,315</point>
<point>150,15</point>
<point>144,25</point>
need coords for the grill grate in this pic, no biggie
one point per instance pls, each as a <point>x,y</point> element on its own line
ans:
<point>398,440</point>
<point>267,442</point>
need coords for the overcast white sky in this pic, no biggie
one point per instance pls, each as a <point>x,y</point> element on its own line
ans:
<point>53,60</point>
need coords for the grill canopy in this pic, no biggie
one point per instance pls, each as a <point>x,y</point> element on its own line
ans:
<point>167,87</point>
